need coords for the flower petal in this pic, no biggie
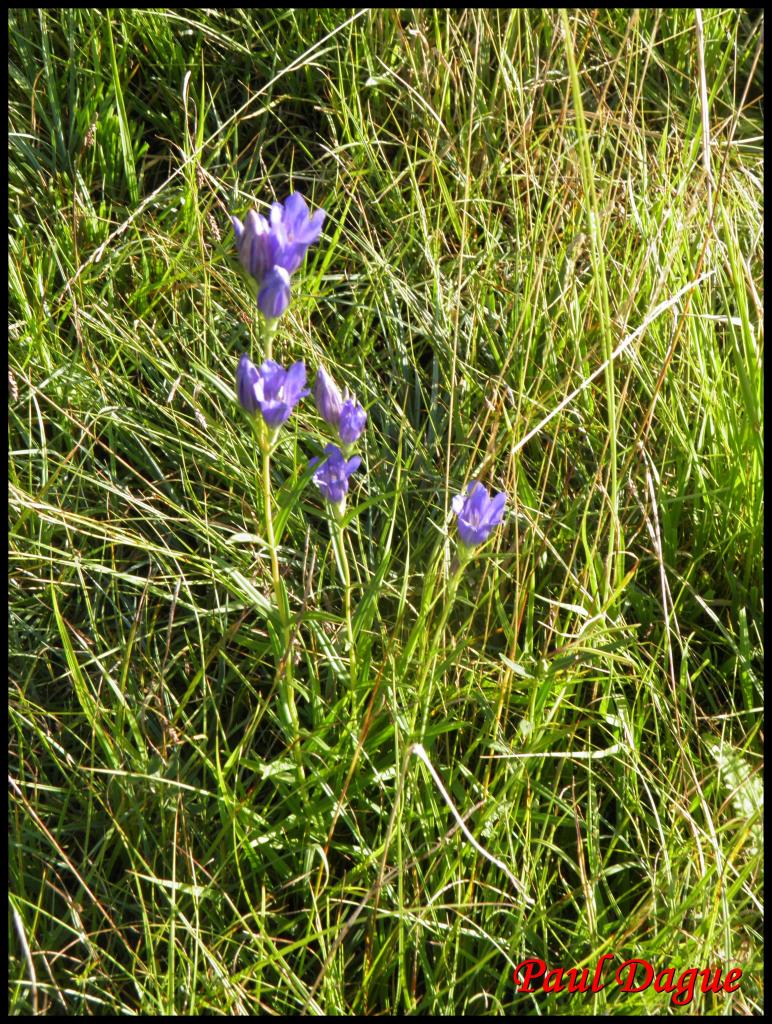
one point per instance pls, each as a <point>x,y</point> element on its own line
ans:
<point>352,421</point>
<point>272,378</point>
<point>309,231</point>
<point>295,212</point>
<point>292,255</point>
<point>274,295</point>
<point>294,381</point>
<point>477,500</point>
<point>277,214</point>
<point>275,413</point>
<point>327,397</point>
<point>246,378</point>
<point>332,478</point>
<point>495,511</point>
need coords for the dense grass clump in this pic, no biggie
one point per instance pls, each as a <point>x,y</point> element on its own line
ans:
<point>541,268</point>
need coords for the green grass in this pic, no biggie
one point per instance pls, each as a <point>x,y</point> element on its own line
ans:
<point>507,204</point>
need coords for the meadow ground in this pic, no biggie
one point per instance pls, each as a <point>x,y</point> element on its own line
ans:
<point>541,268</point>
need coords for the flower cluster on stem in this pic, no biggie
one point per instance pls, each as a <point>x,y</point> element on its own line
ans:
<point>341,412</point>
<point>271,249</point>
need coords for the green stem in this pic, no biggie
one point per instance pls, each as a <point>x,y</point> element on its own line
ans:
<point>339,542</point>
<point>284,667</point>
<point>269,330</point>
<point>284,662</point>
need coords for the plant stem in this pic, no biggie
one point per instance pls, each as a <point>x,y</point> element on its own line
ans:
<point>339,542</point>
<point>269,330</point>
<point>284,666</point>
<point>284,662</point>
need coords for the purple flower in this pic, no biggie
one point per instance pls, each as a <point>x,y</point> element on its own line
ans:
<point>258,247</point>
<point>301,228</point>
<point>272,249</point>
<point>274,295</point>
<point>352,421</point>
<point>332,475</point>
<point>327,397</point>
<point>346,415</point>
<point>477,513</point>
<point>270,388</point>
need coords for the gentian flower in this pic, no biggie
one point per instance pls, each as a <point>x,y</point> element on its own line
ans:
<point>302,229</point>
<point>346,415</point>
<point>478,514</point>
<point>327,397</point>
<point>270,388</point>
<point>272,249</point>
<point>352,421</point>
<point>274,295</point>
<point>332,476</point>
